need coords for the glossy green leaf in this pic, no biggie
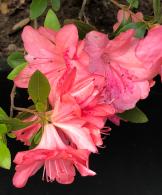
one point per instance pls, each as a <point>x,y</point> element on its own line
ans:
<point>5,156</point>
<point>56,4</point>
<point>133,3</point>
<point>82,27</point>
<point>16,71</point>
<point>37,8</point>
<point>51,21</point>
<point>157,9</point>
<point>39,89</point>
<point>134,115</point>
<point>15,123</point>
<point>15,59</point>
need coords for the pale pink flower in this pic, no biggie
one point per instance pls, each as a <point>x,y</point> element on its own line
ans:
<point>123,71</point>
<point>149,51</point>
<point>57,158</point>
<point>51,52</point>
<point>126,15</point>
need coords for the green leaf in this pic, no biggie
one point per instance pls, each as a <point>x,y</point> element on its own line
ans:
<point>51,21</point>
<point>157,9</point>
<point>16,71</point>
<point>37,8</point>
<point>15,123</point>
<point>39,89</point>
<point>15,59</point>
<point>133,3</point>
<point>36,139</point>
<point>140,28</point>
<point>3,128</point>
<point>5,156</point>
<point>82,27</point>
<point>56,4</point>
<point>134,115</point>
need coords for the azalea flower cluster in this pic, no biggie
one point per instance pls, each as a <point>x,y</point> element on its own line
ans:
<point>91,81</point>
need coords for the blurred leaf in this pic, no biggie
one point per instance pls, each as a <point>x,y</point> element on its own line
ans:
<point>11,135</point>
<point>37,8</point>
<point>157,9</point>
<point>56,4</point>
<point>15,123</point>
<point>82,27</point>
<point>51,21</point>
<point>140,28</point>
<point>5,156</point>
<point>134,115</point>
<point>133,3</point>
<point>39,89</point>
<point>15,59</point>
<point>4,8</point>
<point>16,71</point>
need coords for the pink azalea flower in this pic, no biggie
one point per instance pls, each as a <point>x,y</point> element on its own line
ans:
<point>117,62</point>
<point>51,52</point>
<point>94,112</point>
<point>57,158</point>
<point>66,116</point>
<point>123,14</point>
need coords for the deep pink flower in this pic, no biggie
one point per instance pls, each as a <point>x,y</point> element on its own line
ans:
<point>93,111</point>
<point>66,117</point>
<point>57,158</point>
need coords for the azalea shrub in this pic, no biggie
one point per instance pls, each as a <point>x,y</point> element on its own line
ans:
<point>78,80</point>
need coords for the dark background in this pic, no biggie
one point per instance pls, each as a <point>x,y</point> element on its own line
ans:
<point>131,163</point>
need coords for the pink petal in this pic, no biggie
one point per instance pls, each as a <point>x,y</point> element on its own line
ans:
<point>36,44</point>
<point>23,172</point>
<point>67,39</point>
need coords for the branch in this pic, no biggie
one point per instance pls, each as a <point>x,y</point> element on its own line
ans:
<point>81,13</point>
<point>12,96</point>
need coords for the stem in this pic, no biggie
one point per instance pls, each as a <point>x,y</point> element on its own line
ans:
<point>117,4</point>
<point>81,13</point>
<point>25,110</point>
<point>13,107</point>
<point>12,96</point>
<point>35,23</point>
